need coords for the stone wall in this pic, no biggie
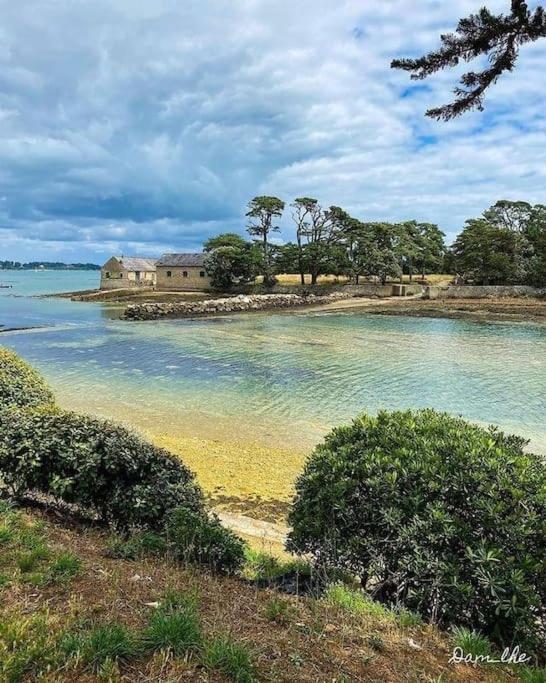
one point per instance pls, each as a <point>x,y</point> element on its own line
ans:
<point>370,289</point>
<point>254,302</point>
<point>483,292</point>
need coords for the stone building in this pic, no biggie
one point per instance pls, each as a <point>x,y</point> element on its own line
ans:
<point>122,272</point>
<point>182,272</point>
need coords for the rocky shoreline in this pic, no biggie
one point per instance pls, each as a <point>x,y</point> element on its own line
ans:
<point>236,304</point>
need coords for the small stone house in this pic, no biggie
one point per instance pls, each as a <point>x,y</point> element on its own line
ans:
<point>182,272</point>
<point>122,272</point>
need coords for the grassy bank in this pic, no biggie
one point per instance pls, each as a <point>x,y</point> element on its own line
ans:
<point>74,606</point>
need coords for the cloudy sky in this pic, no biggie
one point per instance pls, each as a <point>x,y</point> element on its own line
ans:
<point>140,127</point>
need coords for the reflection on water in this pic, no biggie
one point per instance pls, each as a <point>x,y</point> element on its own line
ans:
<point>285,379</point>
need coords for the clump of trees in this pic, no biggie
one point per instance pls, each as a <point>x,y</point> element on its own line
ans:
<point>435,515</point>
<point>329,241</point>
<point>505,246</point>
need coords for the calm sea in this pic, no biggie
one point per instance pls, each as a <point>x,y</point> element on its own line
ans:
<point>281,379</point>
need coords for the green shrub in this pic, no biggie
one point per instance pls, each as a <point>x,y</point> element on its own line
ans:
<point>436,515</point>
<point>20,384</point>
<point>201,539</point>
<point>100,467</point>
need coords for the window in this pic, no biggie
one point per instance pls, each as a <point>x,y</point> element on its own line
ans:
<point>121,274</point>
<point>185,273</point>
<point>202,273</point>
<point>169,273</point>
<point>107,274</point>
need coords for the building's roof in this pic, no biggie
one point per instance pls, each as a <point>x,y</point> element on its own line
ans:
<point>137,263</point>
<point>196,260</point>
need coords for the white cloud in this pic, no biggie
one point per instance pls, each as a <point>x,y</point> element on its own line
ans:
<point>128,124</point>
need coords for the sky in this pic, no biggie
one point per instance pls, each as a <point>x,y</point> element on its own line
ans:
<point>142,127</point>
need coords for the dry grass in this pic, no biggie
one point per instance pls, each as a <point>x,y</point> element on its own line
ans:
<point>315,640</point>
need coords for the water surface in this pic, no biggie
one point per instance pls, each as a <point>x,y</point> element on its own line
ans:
<point>281,379</point>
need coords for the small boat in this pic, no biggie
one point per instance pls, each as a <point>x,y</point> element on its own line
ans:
<point>5,286</point>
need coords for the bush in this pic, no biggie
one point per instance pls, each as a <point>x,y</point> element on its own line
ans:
<point>96,465</point>
<point>435,515</point>
<point>197,538</point>
<point>20,384</point>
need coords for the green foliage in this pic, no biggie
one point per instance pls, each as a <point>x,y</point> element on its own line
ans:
<point>356,602</point>
<point>174,626</point>
<point>137,545</point>
<point>507,245</point>
<point>261,214</point>
<point>279,610</point>
<point>408,619</point>
<point>232,659</point>
<point>264,568</point>
<point>471,642</point>
<point>231,265</point>
<point>108,642</point>
<point>65,567</point>
<point>100,467</point>
<point>29,560</point>
<point>20,384</point>
<point>435,515</point>
<point>199,538</point>
<point>376,642</point>
<point>27,649</point>
<point>532,675</point>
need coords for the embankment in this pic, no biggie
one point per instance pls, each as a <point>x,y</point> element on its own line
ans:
<point>236,304</point>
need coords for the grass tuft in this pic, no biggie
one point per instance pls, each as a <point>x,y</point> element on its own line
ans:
<point>532,675</point>
<point>356,602</point>
<point>471,642</point>
<point>65,567</point>
<point>175,628</point>
<point>232,659</point>
<point>279,610</point>
<point>112,642</point>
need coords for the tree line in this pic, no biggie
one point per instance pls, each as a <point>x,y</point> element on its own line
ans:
<point>506,245</point>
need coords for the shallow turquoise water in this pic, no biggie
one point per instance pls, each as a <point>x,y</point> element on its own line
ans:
<point>282,379</point>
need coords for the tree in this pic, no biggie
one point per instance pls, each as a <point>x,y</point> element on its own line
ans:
<point>261,213</point>
<point>231,260</point>
<point>489,255</point>
<point>226,239</point>
<point>380,255</point>
<point>506,245</point>
<point>498,37</point>
<point>304,211</point>
<point>431,248</point>
<point>318,234</point>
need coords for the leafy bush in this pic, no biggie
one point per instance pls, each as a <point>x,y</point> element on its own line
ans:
<point>435,515</point>
<point>20,384</point>
<point>100,467</point>
<point>201,539</point>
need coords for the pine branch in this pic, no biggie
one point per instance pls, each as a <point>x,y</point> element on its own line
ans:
<point>498,37</point>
